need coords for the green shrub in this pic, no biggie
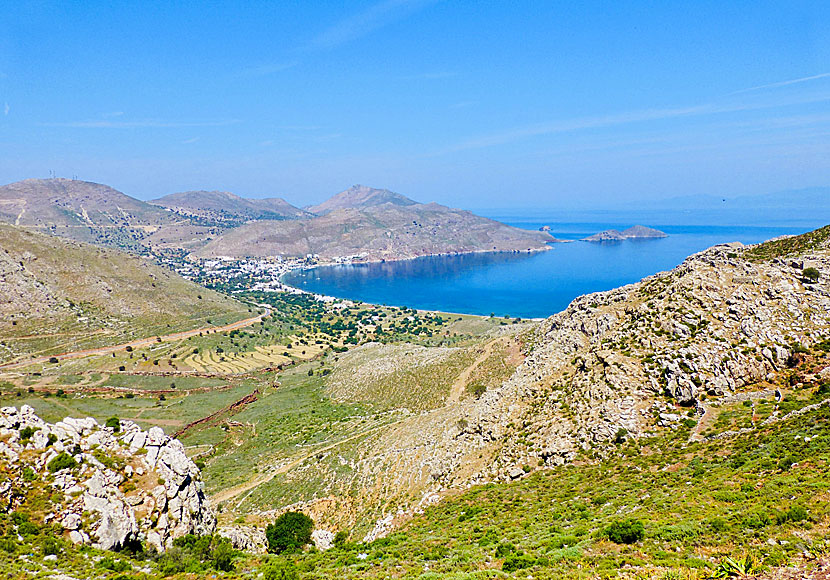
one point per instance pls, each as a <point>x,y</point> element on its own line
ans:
<point>518,562</point>
<point>811,275</point>
<point>114,423</point>
<point>626,531</point>
<point>62,461</point>
<point>340,538</point>
<point>278,569</point>
<point>27,432</point>
<point>797,514</point>
<point>27,528</point>
<point>108,563</point>
<point>289,533</point>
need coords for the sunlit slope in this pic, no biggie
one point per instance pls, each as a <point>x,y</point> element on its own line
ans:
<point>60,295</point>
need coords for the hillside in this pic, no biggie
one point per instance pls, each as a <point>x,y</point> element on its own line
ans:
<point>55,293</point>
<point>481,447</point>
<point>360,197</point>
<point>388,231</point>
<point>703,348</point>
<point>81,210</point>
<point>225,208</point>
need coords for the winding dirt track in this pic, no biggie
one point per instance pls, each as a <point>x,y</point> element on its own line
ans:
<point>249,485</point>
<point>136,343</point>
<point>460,384</point>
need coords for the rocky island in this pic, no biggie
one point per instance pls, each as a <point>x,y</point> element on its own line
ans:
<point>633,233</point>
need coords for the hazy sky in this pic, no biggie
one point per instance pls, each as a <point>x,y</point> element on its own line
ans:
<point>474,104</point>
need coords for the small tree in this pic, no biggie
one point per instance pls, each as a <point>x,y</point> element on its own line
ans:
<point>114,423</point>
<point>289,533</point>
<point>811,275</point>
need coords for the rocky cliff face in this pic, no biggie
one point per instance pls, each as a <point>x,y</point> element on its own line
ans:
<point>109,487</point>
<point>617,363</point>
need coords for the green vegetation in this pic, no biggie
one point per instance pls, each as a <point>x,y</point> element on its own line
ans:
<point>62,461</point>
<point>811,275</point>
<point>790,246</point>
<point>289,533</point>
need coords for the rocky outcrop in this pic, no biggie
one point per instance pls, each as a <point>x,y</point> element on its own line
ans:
<point>116,486</point>
<point>247,538</point>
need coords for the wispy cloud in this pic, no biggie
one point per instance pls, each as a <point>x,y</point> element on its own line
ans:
<point>141,123</point>
<point>112,115</point>
<point>191,140</point>
<point>783,83</point>
<point>363,23</point>
<point>6,110</point>
<point>625,118</point>
<point>264,70</point>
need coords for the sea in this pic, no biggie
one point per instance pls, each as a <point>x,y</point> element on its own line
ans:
<point>540,284</point>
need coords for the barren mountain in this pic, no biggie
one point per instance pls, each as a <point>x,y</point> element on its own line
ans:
<point>225,208</point>
<point>359,197</point>
<point>83,211</point>
<point>389,231</point>
<point>73,203</point>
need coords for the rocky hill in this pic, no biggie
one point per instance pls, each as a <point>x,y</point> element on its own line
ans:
<point>81,210</point>
<point>360,197</point>
<point>632,233</point>
<point>729,328</point>
<point>226,209</point>
<point>106,486</point>
<point>388,231</point>
<point>54,291</point>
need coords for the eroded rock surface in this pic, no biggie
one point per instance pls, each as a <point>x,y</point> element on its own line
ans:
<point>117,486</point>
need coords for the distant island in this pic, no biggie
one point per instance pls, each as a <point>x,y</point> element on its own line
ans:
<point>633,233</point>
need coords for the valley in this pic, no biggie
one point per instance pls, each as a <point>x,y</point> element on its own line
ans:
<point>388,424</point>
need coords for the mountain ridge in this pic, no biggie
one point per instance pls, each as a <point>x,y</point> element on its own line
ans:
<point>225,206</point>
<point>360,197</point>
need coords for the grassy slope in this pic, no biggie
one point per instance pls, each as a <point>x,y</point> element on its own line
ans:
<point>764,494</point>
<point>61,295</point>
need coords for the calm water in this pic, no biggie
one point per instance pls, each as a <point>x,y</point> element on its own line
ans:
<point>528,286</point>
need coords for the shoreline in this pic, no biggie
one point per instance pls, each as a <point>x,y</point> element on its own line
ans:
<point>327,297</point>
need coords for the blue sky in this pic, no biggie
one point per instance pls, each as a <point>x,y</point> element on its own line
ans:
<point>474,104</point>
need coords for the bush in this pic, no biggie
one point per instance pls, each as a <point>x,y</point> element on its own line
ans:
<point>797,514</point>
<point>811,275</point>
<point>27,432</point>
<point>114,423</point>
<point>62,461</point>
<point>625,531</point>
<point>518,562</point>
<point>504,549</point>
<point>280,570</point>
<point>108,563</point>
<point>340,538</point>
<point>222,556</point>
<point>289,533</point>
